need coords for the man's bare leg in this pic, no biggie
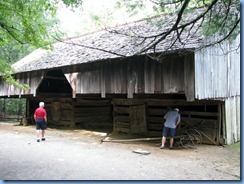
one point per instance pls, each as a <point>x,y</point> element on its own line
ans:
<point>171,142</point>
<point>38,135</point>
<point>43,133</point>
<point>163,142</point>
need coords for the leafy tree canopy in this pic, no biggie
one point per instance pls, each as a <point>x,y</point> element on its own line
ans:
<point>28,21</point>
<point>217,17</point>
<point>24,26</point>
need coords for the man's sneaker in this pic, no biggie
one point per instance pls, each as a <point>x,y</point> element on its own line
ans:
<point>43,139</point>
<point>38,140</point>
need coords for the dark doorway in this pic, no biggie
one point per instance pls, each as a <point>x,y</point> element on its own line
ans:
<point>54,82</point>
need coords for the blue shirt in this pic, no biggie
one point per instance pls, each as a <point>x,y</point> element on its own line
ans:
<point>171,119</point>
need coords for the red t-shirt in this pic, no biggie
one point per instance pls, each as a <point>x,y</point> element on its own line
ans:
<point>40,113</point>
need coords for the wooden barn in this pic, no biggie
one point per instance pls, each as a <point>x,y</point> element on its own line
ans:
<point>98,81</point>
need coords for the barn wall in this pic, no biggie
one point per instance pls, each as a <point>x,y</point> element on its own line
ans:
<point>59,110</point>
<point>136,75</point>
<point>92,113</point>
<point>74,113</point>
<point>202,115</point>
<point>32,79</point>
<point>141,116</point>
<point>232,115</point>
<point>217,71</point>
<point>217,76</point>
<point>174,74</point>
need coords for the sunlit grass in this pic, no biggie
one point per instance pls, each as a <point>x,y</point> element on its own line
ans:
<point>235,146</point>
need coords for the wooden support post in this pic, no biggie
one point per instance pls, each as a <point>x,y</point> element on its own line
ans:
<point>72,114</point>
<point>219,124</point>
<point>102,82</point>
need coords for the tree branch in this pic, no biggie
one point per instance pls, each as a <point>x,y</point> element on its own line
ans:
<point>90,47</point>
<point>174,27</point>
<point>225,37</point>
<point>8,29</point>
<point>164,34</point>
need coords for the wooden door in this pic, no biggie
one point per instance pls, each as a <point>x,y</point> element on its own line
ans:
<point>56,111</point>
<point>138,119</point>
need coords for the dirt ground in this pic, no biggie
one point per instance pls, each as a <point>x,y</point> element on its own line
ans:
<point>79,155</point>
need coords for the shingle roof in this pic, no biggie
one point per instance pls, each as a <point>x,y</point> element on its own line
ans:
<point>81,49</point>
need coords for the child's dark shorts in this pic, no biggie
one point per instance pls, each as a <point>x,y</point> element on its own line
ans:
<point>41,124</point>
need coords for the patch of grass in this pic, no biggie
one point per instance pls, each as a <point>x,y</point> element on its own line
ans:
<point>11,121</point>
<point>235,146</point>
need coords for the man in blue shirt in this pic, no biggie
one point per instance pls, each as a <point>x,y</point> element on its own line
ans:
<point>172,121</point>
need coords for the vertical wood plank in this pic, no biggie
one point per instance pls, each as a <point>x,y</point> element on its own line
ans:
<point>138,119</point>
<point>131,82</point>
<point>102,81</point>
<point>158,78</point>
<point>141,77</point>
<point>189,79</point>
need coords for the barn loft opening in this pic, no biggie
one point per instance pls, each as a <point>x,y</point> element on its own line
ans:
<point>54,82</point>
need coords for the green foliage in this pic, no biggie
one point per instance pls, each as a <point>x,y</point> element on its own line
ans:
<point>29,21</point>
<point>223,18</point>
<point>14,51</point>
<point>24,26</point>
<point>13,106</point>
<point>95,18</point>
<point>6,71</point>
<point>22,20</point>
<point>133,6</point>
<point>73,3</point>
<point>235,146</point>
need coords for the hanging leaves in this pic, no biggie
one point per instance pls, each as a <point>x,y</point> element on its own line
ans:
<point>26,24</point>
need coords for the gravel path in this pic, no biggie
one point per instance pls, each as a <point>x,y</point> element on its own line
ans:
<point>78,155</point>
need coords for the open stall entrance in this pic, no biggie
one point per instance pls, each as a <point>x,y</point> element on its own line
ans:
<point>205,116</point>
<point>54,82</point>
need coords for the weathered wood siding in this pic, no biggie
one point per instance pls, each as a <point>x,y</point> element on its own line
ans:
<point>232,119</point>
<point>217,71</point>
<point>217,76</point>
<point>32,79</point>
<point>174,74</point>
<point>59,110</point>
<point>74,113</point>
<point>92,113</point>
<point>202,115</point>
<point>136,75</point>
